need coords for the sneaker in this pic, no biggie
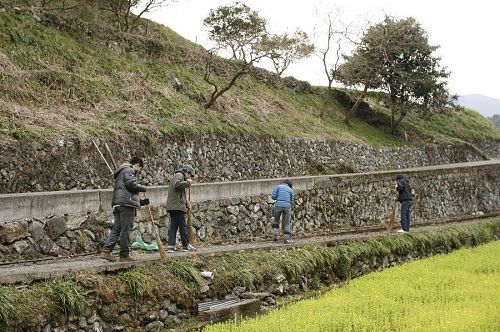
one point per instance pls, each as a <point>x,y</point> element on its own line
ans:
<point>189,248</point>
<point>287,241</point>
<point>107,256</point>
<point>402,231</point>
<point>128,259</point>
<point>170,250</point>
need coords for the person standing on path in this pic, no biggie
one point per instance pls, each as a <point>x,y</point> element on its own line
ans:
<point>405,198</point>
<point>177,206</point>
<point>283,195</point>
<point>125,202</point>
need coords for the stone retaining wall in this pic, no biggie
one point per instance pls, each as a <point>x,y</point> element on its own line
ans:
<point>62,223</point>
<point>67,164</point>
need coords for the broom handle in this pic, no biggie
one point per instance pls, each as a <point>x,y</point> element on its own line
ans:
<point>161,248</point>
<point>102,156</point>
<point>110,156</point>
<point>191,236</point>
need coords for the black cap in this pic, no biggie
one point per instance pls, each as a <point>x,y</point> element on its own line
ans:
<point>188,169</point>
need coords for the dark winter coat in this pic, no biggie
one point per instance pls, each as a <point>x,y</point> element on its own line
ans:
<point>126,189</point>
<point>176,200</point>
<point>404,189</point>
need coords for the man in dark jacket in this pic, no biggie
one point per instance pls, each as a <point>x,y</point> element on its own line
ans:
<point>177,206</point>
<point>125,202</point>
<point>405,198</point>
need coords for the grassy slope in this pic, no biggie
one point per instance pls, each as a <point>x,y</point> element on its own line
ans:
<point>60,80</point>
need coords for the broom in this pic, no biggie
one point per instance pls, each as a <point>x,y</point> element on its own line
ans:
<point>192,238</point>
<point>161,248</point>
<point>392,219</point>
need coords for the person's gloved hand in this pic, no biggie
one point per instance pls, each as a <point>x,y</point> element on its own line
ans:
<point>144,201</point>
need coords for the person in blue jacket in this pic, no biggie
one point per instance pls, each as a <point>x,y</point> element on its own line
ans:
<point>283,195</point>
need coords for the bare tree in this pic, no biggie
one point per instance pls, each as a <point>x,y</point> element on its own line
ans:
<point>122,10</point>
<point>55,5</point>
<point>330,50</point>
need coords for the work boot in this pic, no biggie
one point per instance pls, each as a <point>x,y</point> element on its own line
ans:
<point>107,256</point>
<point>128,259</point>
<point>189,248</point>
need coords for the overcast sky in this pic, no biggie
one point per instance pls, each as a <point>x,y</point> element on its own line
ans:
<point>467,31</point>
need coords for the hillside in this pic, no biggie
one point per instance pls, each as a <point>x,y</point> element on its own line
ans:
<point>72,74</point>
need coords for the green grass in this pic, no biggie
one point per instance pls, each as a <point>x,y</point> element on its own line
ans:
<point>185,271</point>
<point>67,296</point>
<point>233,270</point>
<point>251,270</point>
<point>58,80</point>
<point>450,126</point>
<point>455,292</point>
<point>138,280</point>
<point>6,307</point>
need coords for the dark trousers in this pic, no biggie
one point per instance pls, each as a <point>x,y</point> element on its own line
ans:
<point>177,221</point>
<point>124,221</point>
<point>278,213</point>
<point>405,215</point>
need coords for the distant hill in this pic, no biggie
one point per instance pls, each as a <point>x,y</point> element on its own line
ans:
<point>487,106</point>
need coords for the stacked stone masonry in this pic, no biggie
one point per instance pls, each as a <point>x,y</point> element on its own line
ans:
<point>62,223</point>
<point>68,164</point>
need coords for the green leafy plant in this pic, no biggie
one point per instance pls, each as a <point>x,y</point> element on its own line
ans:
<point>67,296</point>
<point>185,271</point>
<point>138,280</point>
<point>6,307</point>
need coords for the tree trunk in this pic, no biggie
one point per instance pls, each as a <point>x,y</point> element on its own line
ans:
<point>216,95</point>
<point>398,121</point>
<point>355,107</point>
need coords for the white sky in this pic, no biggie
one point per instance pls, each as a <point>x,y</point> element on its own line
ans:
<point>467,31</point>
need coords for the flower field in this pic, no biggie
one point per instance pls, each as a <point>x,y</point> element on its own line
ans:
<point>455,292</point>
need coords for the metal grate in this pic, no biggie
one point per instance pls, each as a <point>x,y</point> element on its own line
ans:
<point>206,306</point>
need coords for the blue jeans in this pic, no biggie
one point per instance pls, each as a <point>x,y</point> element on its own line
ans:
<point>278,212</point>
<point>405,215</point>
<point>124,221</point>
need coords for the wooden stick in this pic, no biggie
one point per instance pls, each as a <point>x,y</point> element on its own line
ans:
<point>102,156</point>
<point>192,238</point>
<point>110,156</point>
<point>392,219</point>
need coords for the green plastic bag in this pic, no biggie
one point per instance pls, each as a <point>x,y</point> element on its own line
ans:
<point>140,244</point>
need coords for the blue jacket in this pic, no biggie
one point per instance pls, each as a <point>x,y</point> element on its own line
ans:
<point>283,195</point>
